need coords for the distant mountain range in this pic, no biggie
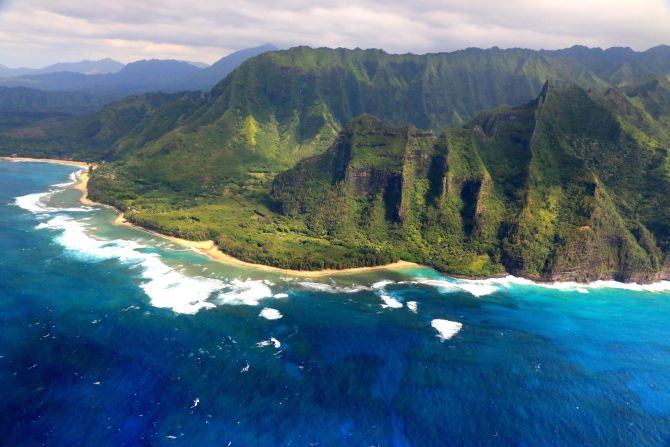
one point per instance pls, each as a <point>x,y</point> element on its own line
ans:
<point>108,77</point>
<point>102,66</point>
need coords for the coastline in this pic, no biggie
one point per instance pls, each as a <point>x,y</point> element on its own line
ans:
<point>80,164</point>
<point>209,248</point>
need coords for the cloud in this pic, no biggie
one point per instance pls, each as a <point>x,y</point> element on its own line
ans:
<point>36,32</point>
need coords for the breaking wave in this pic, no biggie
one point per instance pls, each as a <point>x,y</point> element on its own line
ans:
<point>484,287</point>
<point>37,203</point>
<point>270,314</point>
<point>446,329</point>
<point>165,286</point>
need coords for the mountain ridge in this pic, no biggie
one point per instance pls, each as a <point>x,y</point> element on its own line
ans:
<point>550,189</point>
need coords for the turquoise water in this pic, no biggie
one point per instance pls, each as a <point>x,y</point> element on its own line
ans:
<point>111,337</point>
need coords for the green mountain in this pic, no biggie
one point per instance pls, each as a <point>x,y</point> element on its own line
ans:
<point>286,105</point>
<point>555,189</point>
<point>283,106</point>
<point>283,162</point>
<point>571,186</point>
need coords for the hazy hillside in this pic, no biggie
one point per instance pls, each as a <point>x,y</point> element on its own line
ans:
<point>102,66</point>
<point>22,107</point>
<point>212,75</point>
<point>137,77</point>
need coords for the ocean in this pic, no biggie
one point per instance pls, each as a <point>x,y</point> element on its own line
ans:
<point>112,337</point>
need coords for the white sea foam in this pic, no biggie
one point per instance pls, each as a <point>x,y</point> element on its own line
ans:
<point>165,286</point>
<point>33,202</point>
<point>270,314</point>
<point>445,328</point>
<point>331,288</point>
<point>248,292</point>
<point>390,302</point>
<point>37,204</point>
<point>483,287</point>
<point>476,288</point>
<point>412,306</point>
<point>569,286</point>
<point>271,342</point>
<point>381,284</point>
<point>281,295</point>
<point>73,179</point>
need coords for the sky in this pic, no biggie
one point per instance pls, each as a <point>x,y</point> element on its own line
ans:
<point>36,33</point>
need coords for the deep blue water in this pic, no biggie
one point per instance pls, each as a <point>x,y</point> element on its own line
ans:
<point>111,337</point>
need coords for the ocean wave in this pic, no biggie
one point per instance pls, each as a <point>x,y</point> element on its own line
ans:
<point>165,286</point>
<point>34,202</point>
<point>476,288</point>
<point>73,177</point>
<point>271,342</point>
<point>446,329</point>
<point>37,204</point>
<point>331,288</point>
<point>390,302</point>
<point>413,306</point>
<point>270,314</point>
<point>484,287</point>
<point>248,292</point>
<point>570,286</point>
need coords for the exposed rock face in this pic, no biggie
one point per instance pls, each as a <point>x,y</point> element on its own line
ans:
<point>539,191</point>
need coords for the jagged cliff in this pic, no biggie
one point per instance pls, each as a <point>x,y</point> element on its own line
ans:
<point>555,189</point>
<point>270,165</point>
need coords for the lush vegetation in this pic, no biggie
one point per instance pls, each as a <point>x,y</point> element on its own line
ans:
<point>284,162</point>
<point>553,189</point>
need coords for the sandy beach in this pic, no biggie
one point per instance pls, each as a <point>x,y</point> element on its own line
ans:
<point>209,248</point>
<point>81,164</point>
<point>82,186</point>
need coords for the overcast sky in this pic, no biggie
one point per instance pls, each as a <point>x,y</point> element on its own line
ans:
<point>39,32</point>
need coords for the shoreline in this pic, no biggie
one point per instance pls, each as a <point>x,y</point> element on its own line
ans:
<point>212,252</point>
<point>79,164</point>
<point>209,248</point>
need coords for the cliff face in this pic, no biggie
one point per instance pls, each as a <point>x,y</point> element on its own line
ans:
<point>557,189</point>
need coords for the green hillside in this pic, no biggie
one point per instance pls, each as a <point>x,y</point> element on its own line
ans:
<point>107,134</point>
<point>283,106</point>
<point>312,158</point>
<point>567,187</point>
<point>553,189</point>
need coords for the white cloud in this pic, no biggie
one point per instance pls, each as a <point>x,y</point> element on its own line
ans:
<point>37,32</point>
